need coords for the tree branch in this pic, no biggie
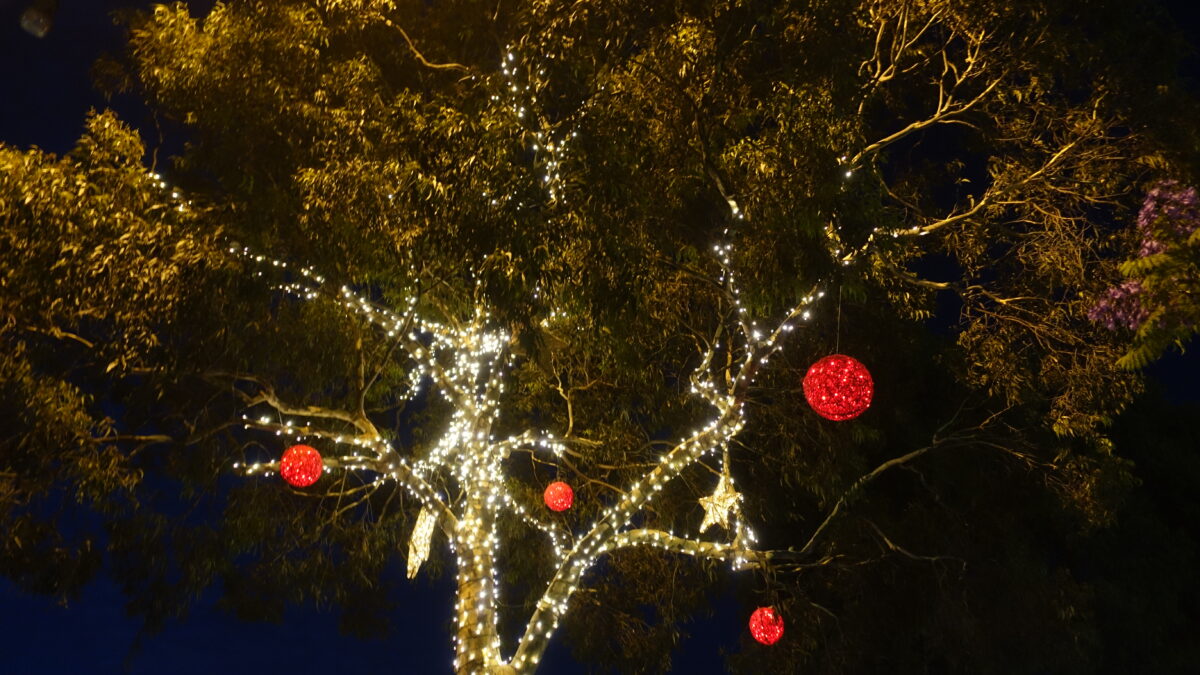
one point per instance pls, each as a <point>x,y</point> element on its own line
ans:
<point>891,463</point>
<point>421,57</point>
<point>895,548</point>
<point>267,395</point>
<point>385,462</point>
<point>740,557</point>
<point>945,112</point>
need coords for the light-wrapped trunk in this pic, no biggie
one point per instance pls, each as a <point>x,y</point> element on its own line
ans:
<point>477,648</point>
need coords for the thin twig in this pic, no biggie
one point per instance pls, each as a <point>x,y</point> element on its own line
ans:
<point>421,57</point>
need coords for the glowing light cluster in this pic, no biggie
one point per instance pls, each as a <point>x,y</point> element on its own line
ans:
<point>301,466</point>
<point>838,387</point>
<point>766,625</point>
<point>467,364</point>
<point>550,146</point>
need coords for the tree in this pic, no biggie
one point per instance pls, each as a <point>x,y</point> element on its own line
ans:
<point>1158,301</point>
<point>97,263</point>
<point>566,240</point>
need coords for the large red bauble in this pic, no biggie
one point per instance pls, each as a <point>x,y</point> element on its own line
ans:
<point>838,387</point>
<point>766,625</point>
<point>301,466</point>
<point>558,496</point>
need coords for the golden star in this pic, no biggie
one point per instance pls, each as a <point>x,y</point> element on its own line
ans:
<point>718,506</point>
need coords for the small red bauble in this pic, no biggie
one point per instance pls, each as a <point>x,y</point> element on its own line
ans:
<point>301,466</point>
<point>766,625</point>
<point>558,496</point>
<point>838,387</point>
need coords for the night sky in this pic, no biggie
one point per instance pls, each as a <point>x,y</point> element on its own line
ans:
<point>45,91</point>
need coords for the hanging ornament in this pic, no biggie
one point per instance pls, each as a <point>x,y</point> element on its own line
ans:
<point>838,387</point>
<point>558,496</point>
<point>718,506</point>
<point>422,536</point>
<point>766,625</point>
<point>301,466</point>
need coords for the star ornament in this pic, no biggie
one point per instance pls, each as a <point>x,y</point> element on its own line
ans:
<point>718,506</point>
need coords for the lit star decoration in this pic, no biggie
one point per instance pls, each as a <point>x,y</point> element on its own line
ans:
<point>838,387</point>
<point>766,625</point>
<point>719,505</point>
<point>558,496</point>
<point>422,537</point>
<point>301,466</point>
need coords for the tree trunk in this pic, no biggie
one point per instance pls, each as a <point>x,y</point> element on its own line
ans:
<point>477,648</point>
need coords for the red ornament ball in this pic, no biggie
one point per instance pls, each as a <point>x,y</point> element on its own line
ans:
<point>301,466</point>
<point>558,496</point>
<point>766,625</point>
<point>838,387</point>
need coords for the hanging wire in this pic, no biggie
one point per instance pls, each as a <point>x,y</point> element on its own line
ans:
<point>837,340</point>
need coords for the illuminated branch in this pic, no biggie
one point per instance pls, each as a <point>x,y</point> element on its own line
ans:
<point>385,463</point>
<point>995,194</point>
<point>882,68</point>
<point>858,485</point>
<point>739,556</point>
<point>896,548</point>
<point>56,332</point>
<point>360,422</point>
<point>605,534</point>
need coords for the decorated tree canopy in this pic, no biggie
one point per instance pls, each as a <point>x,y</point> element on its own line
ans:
<point>552,286</point>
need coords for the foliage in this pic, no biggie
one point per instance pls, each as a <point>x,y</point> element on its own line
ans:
<point>1158,300</point>
<point>97,266</point>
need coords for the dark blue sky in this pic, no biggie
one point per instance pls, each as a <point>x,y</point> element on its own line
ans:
<point>45,91</point>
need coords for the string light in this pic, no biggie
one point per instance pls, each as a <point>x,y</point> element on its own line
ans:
<point>467,366</point>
